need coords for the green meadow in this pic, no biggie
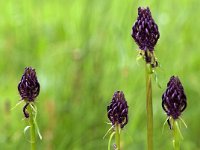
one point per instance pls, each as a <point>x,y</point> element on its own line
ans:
<point>83,52</point>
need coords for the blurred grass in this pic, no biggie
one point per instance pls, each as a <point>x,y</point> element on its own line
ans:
<point>83,52</point>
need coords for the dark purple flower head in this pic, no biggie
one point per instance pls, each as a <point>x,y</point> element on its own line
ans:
<point>145,30</point>
<point>29,86</point>
<point>174,100</point>
<point>118,109</point>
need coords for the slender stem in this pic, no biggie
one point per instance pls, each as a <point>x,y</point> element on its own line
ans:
<point>117,136</point>
<point>149,108</point>
<point>176,137</point>
<point>32,128</point>
<point>109,142</point>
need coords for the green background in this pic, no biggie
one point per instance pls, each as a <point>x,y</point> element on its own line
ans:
<point>83,52</point>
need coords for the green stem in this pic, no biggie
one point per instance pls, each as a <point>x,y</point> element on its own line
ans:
<point>176,137</point>
<point>32,128</point>
<point>149,107</point>
<point>109,142</point>
<point>117,136</point>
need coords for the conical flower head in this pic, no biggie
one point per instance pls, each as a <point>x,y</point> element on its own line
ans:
<point>118,109</point>
<point>174,100</point>
<point>145,30</point>
<point>29,86</point>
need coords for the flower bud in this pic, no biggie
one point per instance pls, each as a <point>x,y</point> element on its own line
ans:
<point>29,86</point>
<point>145,30</point>
<point>174,100</point>
<point>118,109</point>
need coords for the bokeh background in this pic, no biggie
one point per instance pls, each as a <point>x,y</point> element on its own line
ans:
<point>83,52</point>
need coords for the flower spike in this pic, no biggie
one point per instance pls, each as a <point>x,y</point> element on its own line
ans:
<point>145,30</point>
<point>118,109</point>
<point>146,34</point>
<point>174,100</point>
<point>29,87</point>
